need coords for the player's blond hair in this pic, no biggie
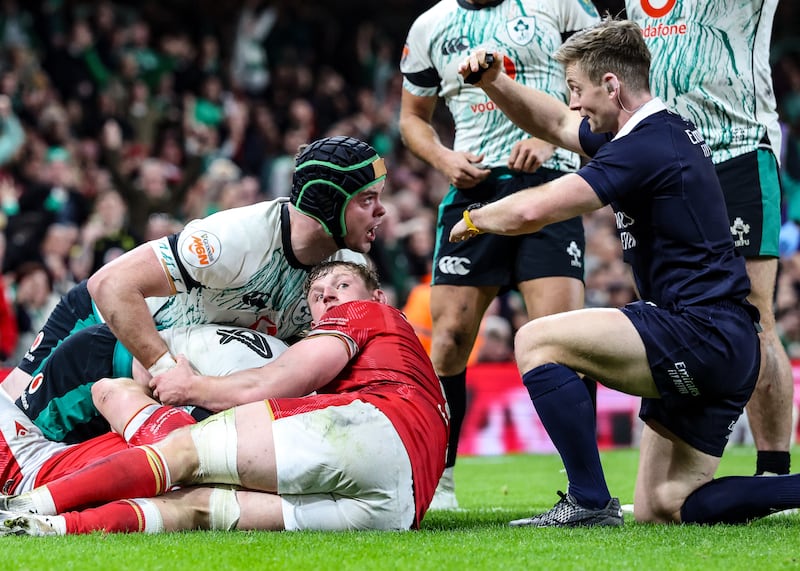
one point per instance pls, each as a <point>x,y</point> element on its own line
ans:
<point>364,273</point>
<point>615,46</point>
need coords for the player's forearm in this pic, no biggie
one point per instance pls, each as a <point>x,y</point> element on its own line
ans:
<point>127,315</point>
<point>131,322</point>
<point>242,387</point>
<point>421,139</point>
<point>533,111</point>
<point>119,289</point>
<point>220,393</point>
<point>510,216</point>
<point>530,209</point>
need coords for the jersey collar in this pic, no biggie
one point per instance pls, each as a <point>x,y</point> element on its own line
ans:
<point>286,238</point>
<point>650,108</point>
<point>467,6</point>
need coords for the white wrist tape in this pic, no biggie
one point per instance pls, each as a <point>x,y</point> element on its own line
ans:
<point>165,363</point>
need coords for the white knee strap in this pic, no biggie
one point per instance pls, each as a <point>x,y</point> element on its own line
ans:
<point>223,509</point>
<point>215,441</point>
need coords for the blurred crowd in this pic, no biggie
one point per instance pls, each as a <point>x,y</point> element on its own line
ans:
<point>120,121</point>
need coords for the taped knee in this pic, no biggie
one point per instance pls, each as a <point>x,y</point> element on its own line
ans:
<point>223,509</point>
<point>215,441</point>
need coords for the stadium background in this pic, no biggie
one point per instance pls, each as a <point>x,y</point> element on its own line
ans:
<point>329,68</point>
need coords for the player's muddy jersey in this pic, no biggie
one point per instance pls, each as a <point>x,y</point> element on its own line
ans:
<point>236,267</point>
<point>711,64</point>
<point>527,32</point>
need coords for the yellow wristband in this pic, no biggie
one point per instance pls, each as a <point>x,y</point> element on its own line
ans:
<point>470,225</point>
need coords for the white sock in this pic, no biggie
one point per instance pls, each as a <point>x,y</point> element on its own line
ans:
<point>138,420</point>
<point>153,521</point>
<point>57,522</point>
<point>38,501</point>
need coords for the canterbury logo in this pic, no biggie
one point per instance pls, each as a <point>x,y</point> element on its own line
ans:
<point>454,265</point>
<point>250,339</point>
<point>256,299</point>
<point>454,46</point>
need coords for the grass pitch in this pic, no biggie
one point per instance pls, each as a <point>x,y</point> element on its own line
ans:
<point>491,491</point>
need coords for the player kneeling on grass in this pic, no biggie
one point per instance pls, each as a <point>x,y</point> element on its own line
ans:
<point>364,452</point>
<point>690,347</point>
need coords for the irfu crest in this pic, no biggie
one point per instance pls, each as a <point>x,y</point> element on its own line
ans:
<point>521,30</point>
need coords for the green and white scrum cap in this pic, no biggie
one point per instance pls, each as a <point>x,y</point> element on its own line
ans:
<point>328,174</point>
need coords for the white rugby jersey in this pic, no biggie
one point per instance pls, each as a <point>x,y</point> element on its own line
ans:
<point>526,32</point>
<point>711,64</point>
<point>235,267</point>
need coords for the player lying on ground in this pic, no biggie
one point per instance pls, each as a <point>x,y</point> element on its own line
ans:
<point>243,266</point>
<point>364,452</point>
<point>30,458</point>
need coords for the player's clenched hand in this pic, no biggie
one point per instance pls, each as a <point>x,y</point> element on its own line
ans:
<point>463,170</point>
<point>476,62</point>
<point>529,154</point>
<point>175,387</point>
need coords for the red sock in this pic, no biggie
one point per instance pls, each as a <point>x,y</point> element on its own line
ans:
<point>133,473</point>
<point>163,421</point>
<point>118,517</point>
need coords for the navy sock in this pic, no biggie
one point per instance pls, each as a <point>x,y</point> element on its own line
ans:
<point>739,499</point>
<point>455,391</point>
<point>567,413</point>
<point>591,386</point>
<point>774,461</point>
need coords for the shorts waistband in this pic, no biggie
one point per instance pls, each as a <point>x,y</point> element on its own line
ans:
<point>730,304</point>
<point>501,173</point>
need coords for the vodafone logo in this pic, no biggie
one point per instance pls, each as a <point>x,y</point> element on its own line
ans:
<point>483,107</point>
<point>201,249</point>
<point>657,8</point>
<point>37,382</point>
<point>37,342</point>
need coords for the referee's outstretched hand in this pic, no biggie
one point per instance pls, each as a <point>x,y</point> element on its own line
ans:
<point>480,67</point>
